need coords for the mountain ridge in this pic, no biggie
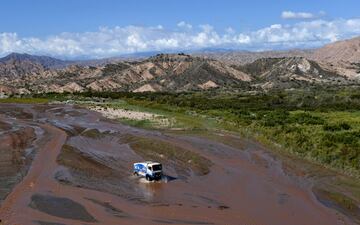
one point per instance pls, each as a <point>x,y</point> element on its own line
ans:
<point>45,61</point>
<point>24,73</point>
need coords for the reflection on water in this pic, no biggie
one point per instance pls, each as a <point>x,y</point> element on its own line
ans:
<point>151,188</point>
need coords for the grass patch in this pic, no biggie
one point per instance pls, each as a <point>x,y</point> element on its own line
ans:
<point>162,151</point>
<point>146,124</point>
<point>25,100</point>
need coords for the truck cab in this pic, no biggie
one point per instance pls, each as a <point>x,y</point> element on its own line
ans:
<point>149,170</point>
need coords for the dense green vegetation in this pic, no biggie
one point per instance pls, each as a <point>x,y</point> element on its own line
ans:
<point>321,125</point>
<point>25,100</point>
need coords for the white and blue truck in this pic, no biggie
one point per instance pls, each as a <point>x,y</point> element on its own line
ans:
<point>149,170</point>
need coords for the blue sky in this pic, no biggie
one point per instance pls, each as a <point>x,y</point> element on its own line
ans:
<point>94,28</point>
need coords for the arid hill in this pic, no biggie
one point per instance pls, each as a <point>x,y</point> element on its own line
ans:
<point>294,72</point>
<point>342,57</point>
<point>246,57</point>
<point>335,64</point>
<point>163,72</point>
<point>341,51</point>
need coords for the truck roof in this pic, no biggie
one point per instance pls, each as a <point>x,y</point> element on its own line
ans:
<point>149,163</point>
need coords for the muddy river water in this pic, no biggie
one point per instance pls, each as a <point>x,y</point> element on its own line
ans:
<point>67,165</point>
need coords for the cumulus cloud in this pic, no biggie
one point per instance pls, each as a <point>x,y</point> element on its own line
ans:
<point>183,24</point>
<point>297,15</point>
<point>301,15</point>
<point>114,41</point>
<point>230,30</point>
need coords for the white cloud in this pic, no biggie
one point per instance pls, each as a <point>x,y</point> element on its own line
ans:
<point>230,30</point>
<point>299,15</point>
<point>207,28</point>
<point>321,13</point>
<point>243,39</point>
<point>106,42</point>
<point>183,24</point>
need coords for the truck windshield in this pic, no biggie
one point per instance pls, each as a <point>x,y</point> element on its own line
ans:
<point>156,167</point>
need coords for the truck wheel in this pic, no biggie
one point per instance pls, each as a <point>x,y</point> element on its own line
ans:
<point>136,174</point>
<point>148,178</point>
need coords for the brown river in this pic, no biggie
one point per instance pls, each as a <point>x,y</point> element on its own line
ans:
<point>44,183</point>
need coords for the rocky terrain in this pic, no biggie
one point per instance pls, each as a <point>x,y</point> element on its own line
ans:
<point>337,64</point>
<point>246,57</point>
<point>343,57</point>
<point>294,72</point>
<point>159,73</point>
<point>341,51</point>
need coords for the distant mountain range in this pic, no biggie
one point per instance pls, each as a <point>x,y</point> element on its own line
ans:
<point>245,57</point>
<point>45,61</point>
<point>334,64</point>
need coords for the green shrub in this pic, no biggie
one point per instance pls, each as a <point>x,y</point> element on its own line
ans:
<point>336,127</point>
<point>306,118</point>
<point>275,118</point>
